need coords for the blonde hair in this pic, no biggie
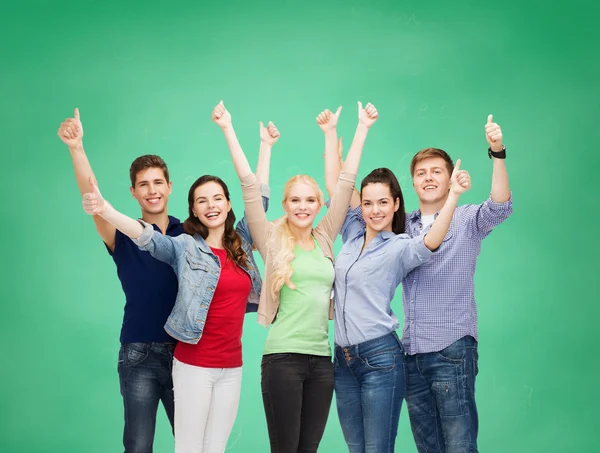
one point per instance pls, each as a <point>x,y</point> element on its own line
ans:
<point>286,241</point>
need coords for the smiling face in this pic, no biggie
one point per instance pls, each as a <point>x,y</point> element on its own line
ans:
<point>431,180</point>
<point>151,190</point>
<point>211,206</point>
<point>302,204</point>
<point>378,206</point>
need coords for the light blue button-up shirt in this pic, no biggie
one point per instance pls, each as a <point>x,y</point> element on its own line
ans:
<point>365,283</point>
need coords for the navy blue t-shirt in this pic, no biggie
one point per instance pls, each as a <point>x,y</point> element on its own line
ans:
<point>150,288</point>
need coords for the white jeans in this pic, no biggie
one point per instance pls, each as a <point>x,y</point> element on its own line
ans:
<point>206,404</point>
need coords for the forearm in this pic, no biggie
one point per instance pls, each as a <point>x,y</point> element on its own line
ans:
<point>263,166</point>
<point>500,186</point>
<point>333,165</point>
<point>83,169</point>
<point>440,226</point>
<point>125,224</point>
<point>352,161</point>
<point>240,162</point>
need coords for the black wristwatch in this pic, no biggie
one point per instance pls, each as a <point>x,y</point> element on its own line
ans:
<point>497,154</point>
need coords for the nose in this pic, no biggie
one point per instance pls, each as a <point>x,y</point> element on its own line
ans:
<point>151,188</point>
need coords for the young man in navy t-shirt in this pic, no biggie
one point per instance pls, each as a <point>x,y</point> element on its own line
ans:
<point>150,287</point>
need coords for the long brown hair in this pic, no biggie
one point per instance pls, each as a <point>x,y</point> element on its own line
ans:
<point>231,239</point>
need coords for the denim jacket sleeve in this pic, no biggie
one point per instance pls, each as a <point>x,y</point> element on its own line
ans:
<point>160,246</point>
<point>242,226</point>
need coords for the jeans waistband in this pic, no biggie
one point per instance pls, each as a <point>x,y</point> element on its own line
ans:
<point>145,347</point>
<point>390,339</point>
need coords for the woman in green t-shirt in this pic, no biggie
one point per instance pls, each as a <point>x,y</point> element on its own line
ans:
<point>297,372</point>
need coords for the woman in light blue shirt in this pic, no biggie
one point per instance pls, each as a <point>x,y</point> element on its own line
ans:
<point>375,257</point>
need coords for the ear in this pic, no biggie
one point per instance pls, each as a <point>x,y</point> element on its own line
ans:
<point>132,190</point>
<point>397,204</point>
<point>228,205</point>
<point>170,184</point>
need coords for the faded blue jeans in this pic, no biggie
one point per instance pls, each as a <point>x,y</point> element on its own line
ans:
<point>441,398</point>
<point>369,390</point>
<point>145,378</point>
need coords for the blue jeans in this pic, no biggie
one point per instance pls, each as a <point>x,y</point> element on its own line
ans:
<point>441,398</point>
<point>145,378</point>
<point>369,389</point>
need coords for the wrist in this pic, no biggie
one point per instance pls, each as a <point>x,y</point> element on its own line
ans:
<point>76,148</point>
<point>496,147</point>
<point>362,128</point>
<point>331,132</point>
<point>453,197</point>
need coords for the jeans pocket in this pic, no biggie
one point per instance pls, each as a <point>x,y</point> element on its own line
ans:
<point>453,353</point>
<point>131,357</point>
<point>382,361</point>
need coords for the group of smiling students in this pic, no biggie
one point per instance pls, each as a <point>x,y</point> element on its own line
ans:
<point>431,252</point>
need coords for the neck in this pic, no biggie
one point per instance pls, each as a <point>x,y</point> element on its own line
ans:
<point>215,237</point>
<point>432,208</point>
<point>301,234</point>
<point>161,220</point>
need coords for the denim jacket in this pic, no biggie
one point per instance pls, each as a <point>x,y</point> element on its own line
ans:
<point>198,271</point>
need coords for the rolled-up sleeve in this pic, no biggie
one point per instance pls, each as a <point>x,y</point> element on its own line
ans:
<point>160,246</point>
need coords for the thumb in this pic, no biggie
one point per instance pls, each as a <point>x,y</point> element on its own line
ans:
<point>338,111</point>
<point>360,107</point>
<point>221,102</point>
<point>76,113</point>
<point>262,126</point>
<point>490,119</point>
<point>456,167</point>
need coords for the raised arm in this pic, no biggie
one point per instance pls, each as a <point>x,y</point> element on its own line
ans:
<point>71,133</point>
<point>94,204</point>
<point>327,121</point>
<point>460,182</point>
<point>500,187</point>
<point>334,218</point>
<point>254,212</point>
<point>268,136</point>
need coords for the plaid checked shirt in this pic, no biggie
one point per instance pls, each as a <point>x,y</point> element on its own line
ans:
<point>438,297</point>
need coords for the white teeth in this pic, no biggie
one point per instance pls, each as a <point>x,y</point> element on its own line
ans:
<point>212,215</point>
<point>153,200</point>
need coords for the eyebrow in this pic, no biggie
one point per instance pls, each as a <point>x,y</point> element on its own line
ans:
<point>433,168</point>
<point>155,180</point>
<point>206,198</point>
<point>379,199</point>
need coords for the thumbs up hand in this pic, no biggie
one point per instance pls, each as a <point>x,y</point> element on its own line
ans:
<point>221,116</point>
<point>493,134</point>
<point>460,181</point>
<point>368,115</point>
<point>269,134</point>
<point>328,120</point>
<point>93,203</point>
<point>71,131</point>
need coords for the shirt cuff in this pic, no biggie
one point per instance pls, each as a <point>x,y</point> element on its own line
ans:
<point>421,249</point>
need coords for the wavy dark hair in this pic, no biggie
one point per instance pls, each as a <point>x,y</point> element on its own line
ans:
<point>387,177</point>
<point>231,239</point>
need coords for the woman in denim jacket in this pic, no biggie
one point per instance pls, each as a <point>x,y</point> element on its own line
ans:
<point>218,283</point>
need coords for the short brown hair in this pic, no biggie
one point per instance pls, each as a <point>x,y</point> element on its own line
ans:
<point>144,162</point>
<point>428,153</point>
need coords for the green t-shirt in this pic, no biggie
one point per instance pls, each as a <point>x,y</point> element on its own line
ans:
<point>302,321</point>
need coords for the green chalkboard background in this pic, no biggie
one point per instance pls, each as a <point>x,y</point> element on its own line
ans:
<point>145,76</point>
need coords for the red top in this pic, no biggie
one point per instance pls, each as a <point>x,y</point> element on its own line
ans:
<point>220,345</point>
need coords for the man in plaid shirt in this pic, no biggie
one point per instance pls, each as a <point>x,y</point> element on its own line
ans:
<point>440,314</point>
